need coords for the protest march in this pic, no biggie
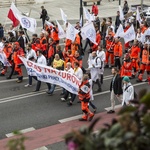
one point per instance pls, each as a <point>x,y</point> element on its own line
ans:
<point>122,45</point>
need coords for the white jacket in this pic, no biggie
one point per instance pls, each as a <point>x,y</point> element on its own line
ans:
<point>78,73</point>
<point>128,93</point>
<point>42,60</point>
<point>31,53</point>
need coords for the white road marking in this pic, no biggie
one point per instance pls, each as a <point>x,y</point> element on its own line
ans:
<point>21,131</point>
<point>70,118</point>
<point>108,108</point>
<point>22,96</point>
<point>10,80</point>
<point>41,148</point>
<point>116,106</point>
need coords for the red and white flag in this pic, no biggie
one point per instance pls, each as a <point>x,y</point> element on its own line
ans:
<point>12,14</point>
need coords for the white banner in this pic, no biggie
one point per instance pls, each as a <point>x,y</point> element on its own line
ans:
<point>88,16</point>
<point>71,32</point>
<point>49,23</point>
<point>27,23</point>
<point>89,32</point>
<point>50,75</point>
<point>61,32</point>
<point>138,17</point>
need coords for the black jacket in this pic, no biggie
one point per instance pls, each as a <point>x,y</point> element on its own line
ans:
<point>21,42</point>
<point>117,86</point>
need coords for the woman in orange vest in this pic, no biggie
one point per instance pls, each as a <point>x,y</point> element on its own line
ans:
<point>126,69</point>
<point>144,66</point>
<point>84,97</point>
<point>54,34</point>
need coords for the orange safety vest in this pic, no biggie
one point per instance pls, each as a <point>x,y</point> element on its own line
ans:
<point>135,50</point>
<point>8,50</point>
<point>126,69</point>
<point>43,43</point>
<point>17,53</point>
<point>145,56</point>
<point>84,86</point>
<point>54,34</point>
<point>110,46</point>
<point>118,49</point>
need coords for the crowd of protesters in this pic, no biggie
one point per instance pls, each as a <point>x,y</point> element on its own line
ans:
<point>127,61</point>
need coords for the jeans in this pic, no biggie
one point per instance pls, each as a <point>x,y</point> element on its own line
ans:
<point>52,88</point>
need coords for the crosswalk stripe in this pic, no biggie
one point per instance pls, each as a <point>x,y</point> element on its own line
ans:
<point>70,118</point>
<point>21,131</point>
<point>117,106</point>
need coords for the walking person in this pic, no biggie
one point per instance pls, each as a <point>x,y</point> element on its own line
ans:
<point>84,97</point>
<point>125,7</point>
<point>30,55</point>
<point>115,89</point>
<point>128,91</point>
<point>43,15</point>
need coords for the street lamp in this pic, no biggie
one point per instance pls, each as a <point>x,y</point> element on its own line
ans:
<point>81,10</point>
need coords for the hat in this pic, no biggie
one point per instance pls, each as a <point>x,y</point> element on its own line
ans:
<point>17,43</point>
<point>126,79</point>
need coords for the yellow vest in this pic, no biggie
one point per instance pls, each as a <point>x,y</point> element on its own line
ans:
<point>58,63</point>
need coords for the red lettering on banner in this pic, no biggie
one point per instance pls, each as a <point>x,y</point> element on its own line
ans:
<point>47,70</point>
<point>53,71</point>
<point>37,68</point>
<point>68,76</point>
<point>63,74</point>
<point>73,79</point>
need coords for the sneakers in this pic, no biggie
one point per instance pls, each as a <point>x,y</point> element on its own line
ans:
<point>63,99</point>
<point>69,104</point>
<point>91,117</point>
<point>19,81</point>
<point>110,112</point>
<point>27,85</point>
<point>8,77</point>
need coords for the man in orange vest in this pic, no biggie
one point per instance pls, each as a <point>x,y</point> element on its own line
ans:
<point>117,52</point>
<point>109,50</point>
<point>135,55</point>
<point>18,51</point>
<point>144,66</point>
<point>84,97</point>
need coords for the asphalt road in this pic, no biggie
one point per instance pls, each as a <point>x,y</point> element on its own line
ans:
<point>21,108</point>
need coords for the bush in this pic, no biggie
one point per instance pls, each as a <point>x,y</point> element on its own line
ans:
<point>130,131</point>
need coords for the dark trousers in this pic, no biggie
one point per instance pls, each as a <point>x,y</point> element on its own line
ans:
<point>117,62</point>
<point>12,70</point>
<point>73,96</point>
<point>86,44</point>
<point>43,22</point>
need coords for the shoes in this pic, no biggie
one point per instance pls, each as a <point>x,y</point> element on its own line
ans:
<point>78,101</point>
<point>91,117</point>
<point>63,99</point>
<point>106,66</point>
<point>19,81</point>
<point>49,93</point>
<point>2,74</point>
<point>138,80</point>
<point>99,90</point>
<point>69,97</point>
<point>110,112</point>
<point>133,76</point>
<point>8,78</point>
<point>35,90</point>
<point>69,104</point>
<point>27,85</point>
<point>81,119</point>
<point>62,93</point>
<point>95,110</point>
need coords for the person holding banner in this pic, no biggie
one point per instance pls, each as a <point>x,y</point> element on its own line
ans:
<point>41,60</point>
<point>79,74</point>
<point>30,55</point>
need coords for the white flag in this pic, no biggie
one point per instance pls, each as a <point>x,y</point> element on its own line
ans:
<point>49,23</point>
<point>81,21</point>
<point>71,32</point>
<point>120,31</point>
<point>61,32</point>
<point>138,17</point>
<point>129,35</point>
<point>87,14</point>
<point>121,13</point>
<point>147,32</point>
<point>27,23</point>
<point>64,16</point>
<point>89,32</point>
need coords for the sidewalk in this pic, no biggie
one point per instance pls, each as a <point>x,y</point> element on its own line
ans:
<point>70,7</point>
<point>54,134</point>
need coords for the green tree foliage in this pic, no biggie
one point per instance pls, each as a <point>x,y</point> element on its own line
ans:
<point>130,131</point>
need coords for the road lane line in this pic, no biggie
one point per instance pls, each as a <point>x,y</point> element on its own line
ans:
<point>116,106</point>
<point>78,116</point>
<point>10,99</point>
<point>21,131</point>
<point>41,148</point>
